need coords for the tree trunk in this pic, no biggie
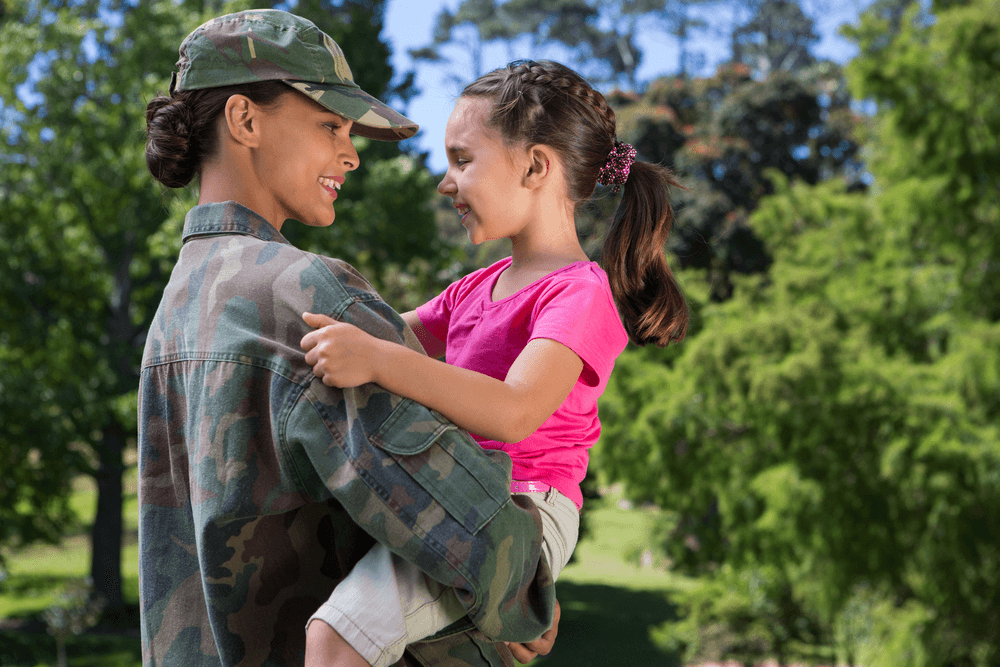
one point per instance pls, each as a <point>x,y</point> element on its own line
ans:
<point>106,534</point>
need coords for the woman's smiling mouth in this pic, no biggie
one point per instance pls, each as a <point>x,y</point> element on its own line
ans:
<point>331,185</point>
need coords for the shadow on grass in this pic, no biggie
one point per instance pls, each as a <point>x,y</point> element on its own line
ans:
<point>606,626</point>
<point>601,626</point>
<point>27,649</point>
<point>114,642</point>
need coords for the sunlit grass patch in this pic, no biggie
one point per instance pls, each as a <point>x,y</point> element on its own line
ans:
<point>35,574</point>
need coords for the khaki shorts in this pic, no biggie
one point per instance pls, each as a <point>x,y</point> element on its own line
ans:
<point>386,603</point>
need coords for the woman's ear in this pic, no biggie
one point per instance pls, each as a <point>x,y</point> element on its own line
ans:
<point>243,121</point>
<point>540,159</point>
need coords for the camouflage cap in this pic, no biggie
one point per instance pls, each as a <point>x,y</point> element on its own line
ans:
<point>269,44</point>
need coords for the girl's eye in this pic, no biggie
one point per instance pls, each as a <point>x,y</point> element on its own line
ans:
<point>333,127</point>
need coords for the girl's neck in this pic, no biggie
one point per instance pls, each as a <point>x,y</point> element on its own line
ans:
<point>540,249</point>
<point>548,242</point>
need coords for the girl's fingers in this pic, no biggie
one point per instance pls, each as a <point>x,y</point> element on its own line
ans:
<point>521,653</point>
<point>315,320</point>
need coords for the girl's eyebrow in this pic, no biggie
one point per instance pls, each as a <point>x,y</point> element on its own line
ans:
<point>455,149</point>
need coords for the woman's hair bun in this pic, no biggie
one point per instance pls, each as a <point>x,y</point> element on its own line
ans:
<point>171,150</point>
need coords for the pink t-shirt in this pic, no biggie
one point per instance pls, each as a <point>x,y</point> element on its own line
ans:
<point>572,306</point>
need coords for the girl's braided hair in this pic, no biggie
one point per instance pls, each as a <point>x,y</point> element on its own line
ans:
<point>548,103</point>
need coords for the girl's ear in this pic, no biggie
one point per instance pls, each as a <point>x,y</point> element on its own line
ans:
<point>243,121</point>
<point>540,160</point>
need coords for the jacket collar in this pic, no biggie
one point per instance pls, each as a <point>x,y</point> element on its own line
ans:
<point>228,218</point>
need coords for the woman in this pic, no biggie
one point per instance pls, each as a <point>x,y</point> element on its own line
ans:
<point>260,487</point>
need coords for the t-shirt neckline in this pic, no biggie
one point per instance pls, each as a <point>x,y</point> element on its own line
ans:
<point>496,278</point>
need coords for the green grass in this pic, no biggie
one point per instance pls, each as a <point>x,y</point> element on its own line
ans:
<point>37,574</point>
<point>608,601</point>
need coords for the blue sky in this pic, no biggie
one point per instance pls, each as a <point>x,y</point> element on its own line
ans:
<point>409,23</point>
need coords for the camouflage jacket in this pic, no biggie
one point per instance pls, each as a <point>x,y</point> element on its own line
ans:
<point>260,487</point>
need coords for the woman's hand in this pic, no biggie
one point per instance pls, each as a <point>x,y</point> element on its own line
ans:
<point>341,354</point>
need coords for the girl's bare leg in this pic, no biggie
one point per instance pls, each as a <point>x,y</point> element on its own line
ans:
<point>326,648</point>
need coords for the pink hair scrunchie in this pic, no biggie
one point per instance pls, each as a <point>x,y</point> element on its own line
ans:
<point>615,170</point>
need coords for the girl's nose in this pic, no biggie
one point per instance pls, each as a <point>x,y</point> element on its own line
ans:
<point>446,186</point>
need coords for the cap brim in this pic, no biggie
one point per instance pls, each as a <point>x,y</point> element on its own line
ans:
<point>372,118</point>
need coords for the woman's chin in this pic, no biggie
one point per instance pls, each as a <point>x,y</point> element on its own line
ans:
<point>324,220</point>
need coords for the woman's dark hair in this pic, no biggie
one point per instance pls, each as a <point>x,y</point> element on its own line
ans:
<point>550,104</point>
<point>181,128</point>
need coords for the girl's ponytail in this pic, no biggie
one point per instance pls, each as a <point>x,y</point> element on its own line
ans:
<point>644,287</point>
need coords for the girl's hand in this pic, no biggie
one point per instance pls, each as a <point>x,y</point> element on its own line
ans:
<point>542,646</point>
<point>341,354</point>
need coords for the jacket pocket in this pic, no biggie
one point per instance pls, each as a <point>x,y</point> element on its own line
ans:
<point>469,484</point>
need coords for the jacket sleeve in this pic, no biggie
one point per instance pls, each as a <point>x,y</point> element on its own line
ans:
<point>416,482</point>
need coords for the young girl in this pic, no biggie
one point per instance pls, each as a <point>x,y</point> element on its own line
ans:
<point>530,341</point>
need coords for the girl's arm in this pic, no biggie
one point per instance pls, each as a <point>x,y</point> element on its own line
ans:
<point>433,346</point>
<point>538,382</point>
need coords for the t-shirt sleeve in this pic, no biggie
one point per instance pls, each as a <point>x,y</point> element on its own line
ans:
<point>581,315</point>
<point>436,313</point>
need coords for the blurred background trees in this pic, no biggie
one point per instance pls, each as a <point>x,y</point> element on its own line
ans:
<point>828,437</point>
<point>824,442</point>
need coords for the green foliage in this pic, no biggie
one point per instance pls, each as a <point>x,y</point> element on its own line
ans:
<point>833,424</point>
<point>817,426</point>
<point>938,92</point>
<point>872,630</point>
<point>79,224</point>
<point>747,616</point>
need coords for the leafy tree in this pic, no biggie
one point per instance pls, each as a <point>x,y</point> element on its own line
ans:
<point>89,240</point>
<point>777,38</point>
<point>86,239</point>
<point>602,54</point>
<point>939,136</point>
<point>678,21</point>
<point>828,437</point>
<point>473,25</point>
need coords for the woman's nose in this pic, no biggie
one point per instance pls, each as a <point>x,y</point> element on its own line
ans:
<point>351,158</point>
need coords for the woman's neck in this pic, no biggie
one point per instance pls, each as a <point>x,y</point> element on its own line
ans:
<point>233,180</point>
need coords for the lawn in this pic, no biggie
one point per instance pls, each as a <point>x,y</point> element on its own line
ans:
<point>608,601</point>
